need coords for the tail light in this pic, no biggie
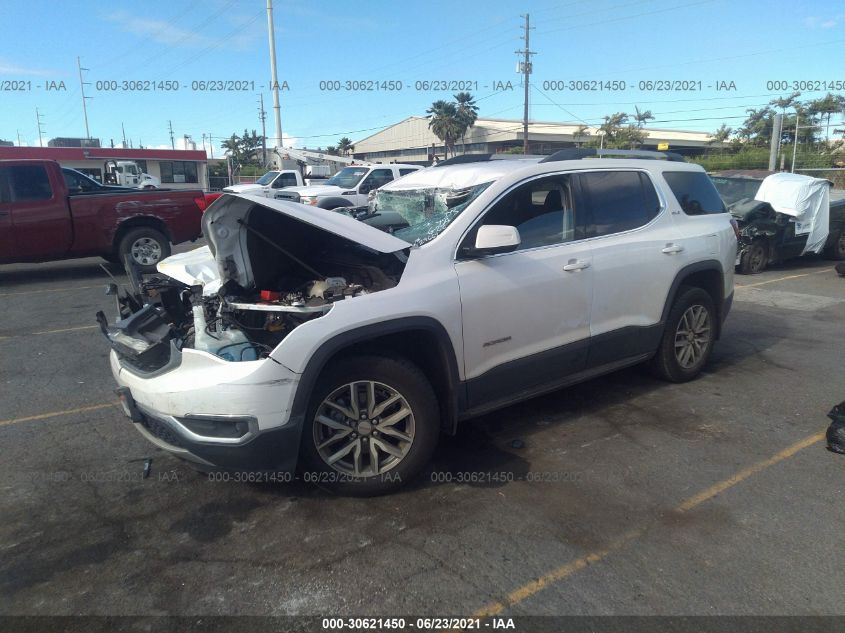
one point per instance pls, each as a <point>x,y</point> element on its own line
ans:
<point>735,227</point>
<point>201,203</point>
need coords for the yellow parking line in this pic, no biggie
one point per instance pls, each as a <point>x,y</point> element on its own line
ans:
<point>32,292</point>
<point>564,571</point>
<point>53,414</point>
<point>712,491</point>
<point>771,281</point>
<point>67,329</point>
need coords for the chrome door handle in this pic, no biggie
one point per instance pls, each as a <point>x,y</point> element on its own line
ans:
<point>673,248</point>
<point>574,265</point>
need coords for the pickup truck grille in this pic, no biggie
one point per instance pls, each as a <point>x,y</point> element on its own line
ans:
<point>287,195</point>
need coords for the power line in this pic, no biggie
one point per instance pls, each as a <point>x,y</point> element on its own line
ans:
<point>626,17</point>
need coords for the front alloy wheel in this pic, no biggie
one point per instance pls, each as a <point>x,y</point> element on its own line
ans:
<point>372,425</point>
<point>364,428</point>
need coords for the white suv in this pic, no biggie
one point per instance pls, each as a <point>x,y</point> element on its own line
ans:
<point>304,338</point>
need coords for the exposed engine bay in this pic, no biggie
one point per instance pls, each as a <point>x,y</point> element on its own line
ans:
<point>263,275</point>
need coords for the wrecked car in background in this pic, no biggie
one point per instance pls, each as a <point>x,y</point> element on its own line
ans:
<point>791,216</point>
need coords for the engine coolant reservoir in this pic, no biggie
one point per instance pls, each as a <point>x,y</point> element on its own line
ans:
<point>231,345</point>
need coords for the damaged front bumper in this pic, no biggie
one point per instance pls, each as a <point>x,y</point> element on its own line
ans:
<point>216,413</point>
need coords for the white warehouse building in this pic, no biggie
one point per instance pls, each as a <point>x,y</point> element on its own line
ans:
<point>412,141</point>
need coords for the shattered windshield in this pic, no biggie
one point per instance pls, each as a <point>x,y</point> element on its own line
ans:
<point>427,211</point>
<point>267,178</point>
<point>733,190</point>
<point>347,177</point>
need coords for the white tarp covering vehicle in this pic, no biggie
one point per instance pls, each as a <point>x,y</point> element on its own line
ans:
<point>806,199</point>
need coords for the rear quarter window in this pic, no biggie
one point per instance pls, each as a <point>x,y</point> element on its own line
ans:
<point>695,192</point>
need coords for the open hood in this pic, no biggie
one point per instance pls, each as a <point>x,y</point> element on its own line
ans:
<point>242,188</point>
<point>236,220</point>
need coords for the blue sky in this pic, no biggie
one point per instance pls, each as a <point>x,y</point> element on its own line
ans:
<point>748,42</point>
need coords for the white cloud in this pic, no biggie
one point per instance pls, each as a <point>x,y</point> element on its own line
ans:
<point>159,31</point>
<point>11,68</point>
<point>815,22</point>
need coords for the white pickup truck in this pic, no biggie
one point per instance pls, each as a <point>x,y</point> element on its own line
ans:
<point>269,183</point>
<point>347,188</point>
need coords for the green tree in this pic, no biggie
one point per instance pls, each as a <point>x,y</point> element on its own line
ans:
<point>825,107</point>
<point>721,135</point>
<point>250,144</point>
<point>642,116</point>
<point>444,123</point>
<point>467,114</point>
<point>581,132</point>
<point>344,146</point>
<point>232,145</point>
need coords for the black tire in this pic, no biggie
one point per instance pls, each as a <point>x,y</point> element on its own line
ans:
<point>146,246</point>
<point>755,258</point>
<point>666,363</point>
<point>330,204</point>
<point>836,249</point>
<point>386,373</point>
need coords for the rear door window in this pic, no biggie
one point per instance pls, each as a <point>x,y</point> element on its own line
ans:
<point>616,201</point>
<point>695,192</point>
<point>404,171</point>
<point>30,182</point>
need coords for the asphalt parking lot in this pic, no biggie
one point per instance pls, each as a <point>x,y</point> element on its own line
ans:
<point>628,495</point>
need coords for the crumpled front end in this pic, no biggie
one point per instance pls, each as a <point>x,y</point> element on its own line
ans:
<point>192,346</point>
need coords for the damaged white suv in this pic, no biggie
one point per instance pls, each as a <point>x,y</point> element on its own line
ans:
<point>304,340</point>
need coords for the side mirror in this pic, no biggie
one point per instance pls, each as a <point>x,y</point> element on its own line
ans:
<point>495,238</point>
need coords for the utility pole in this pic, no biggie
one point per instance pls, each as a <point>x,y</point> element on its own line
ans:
<point>262,116</point>
<point>795,142</point>
<point>777,127</point>
<point>38,116</point>
<point>525,68</point>
<point>211,145</point>
<point>123,131</point>
<point>19,138</point>
<point>172,142</point>
<point>274,79</point>
<point>82,85</point>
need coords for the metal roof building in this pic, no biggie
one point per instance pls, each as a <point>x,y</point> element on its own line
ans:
<point>411,140</point>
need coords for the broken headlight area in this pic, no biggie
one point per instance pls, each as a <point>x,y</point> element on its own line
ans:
<point>235,324</point>
<point>263,274</point>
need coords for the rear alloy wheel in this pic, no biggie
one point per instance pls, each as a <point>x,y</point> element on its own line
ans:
<point>754,259</point>
<point>373,426</point>
<point>145,246</point>
<point>688,338</point>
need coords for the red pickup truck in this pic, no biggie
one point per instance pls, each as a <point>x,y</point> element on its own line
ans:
<point>41,220</point>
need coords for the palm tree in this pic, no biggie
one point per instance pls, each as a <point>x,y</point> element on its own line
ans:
<point>642,116</point>
<point>467,114</point>
<point>344,146</point>
<point>444,123</point>
<point>721,135</point>
<point>580,132</point>
<point>233,146</point>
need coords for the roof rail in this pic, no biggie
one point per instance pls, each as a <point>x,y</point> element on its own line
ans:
<point>464,158</point>
<point>581,152</point>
